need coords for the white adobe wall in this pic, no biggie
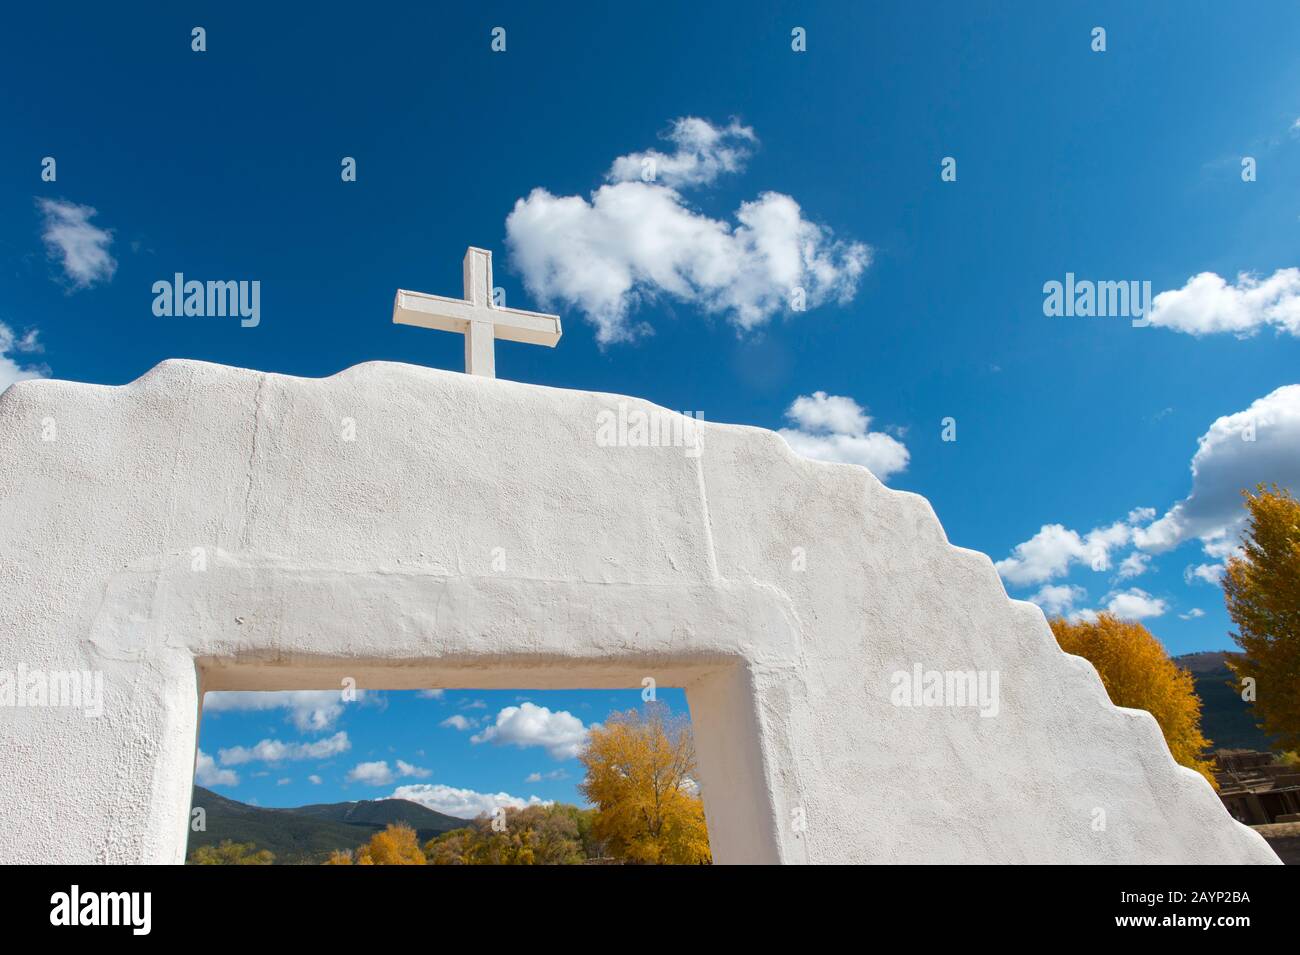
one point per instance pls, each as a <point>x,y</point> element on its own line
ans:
<point>373,559</point>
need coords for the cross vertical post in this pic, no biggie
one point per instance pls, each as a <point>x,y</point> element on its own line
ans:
<point>480,352</point>
<point>476,316</point>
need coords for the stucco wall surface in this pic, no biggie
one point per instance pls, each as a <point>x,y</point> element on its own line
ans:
<point>209,528</point>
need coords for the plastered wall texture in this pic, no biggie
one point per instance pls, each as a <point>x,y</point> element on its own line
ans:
<point>374,559</point>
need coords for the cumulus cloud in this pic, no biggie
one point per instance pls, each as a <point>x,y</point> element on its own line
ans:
<point>836,428</point>
<point>207,773</point>
<point>1208,304</point>
<point>1239,451</point>
<point>277,751</point>
<point>1206,573</point>
<point>378,772</point>
<point>1055,549</point>
<point>462,803</point>
<point>703,152</point>
<point>80,246</point>
<point>1260,444</point>
<point>560,733</point>
<point>13,345</point>
<point>1136,604</point>
<point>635,242</point>
<point>1134,565</point>
<point>309,710</point>
<point>457,722</point>
<point>314,779</point>
<point>1192,614</point>
<point>1058,599</point>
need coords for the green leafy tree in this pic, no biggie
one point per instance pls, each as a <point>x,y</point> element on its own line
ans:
<point>534,835</point>
<point>231,853</point>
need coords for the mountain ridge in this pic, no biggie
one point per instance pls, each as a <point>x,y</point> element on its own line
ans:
<point>308,834</point>
<point>1227,720</point>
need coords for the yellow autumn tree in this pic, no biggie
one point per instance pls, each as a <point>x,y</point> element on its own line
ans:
<point>1138,673</point>
<point>396,845</point>
<point>640,777</point>
<point>1261,588</point>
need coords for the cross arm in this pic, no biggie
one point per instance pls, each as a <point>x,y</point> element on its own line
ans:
<point>455,315</point>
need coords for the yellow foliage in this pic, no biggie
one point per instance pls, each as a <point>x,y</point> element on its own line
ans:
<point>1262,591</point>
<point>1137,673</point>
<point>396,845</point>
<point>640,770</point>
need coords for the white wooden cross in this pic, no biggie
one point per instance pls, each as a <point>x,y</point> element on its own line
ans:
<point>476,317</point>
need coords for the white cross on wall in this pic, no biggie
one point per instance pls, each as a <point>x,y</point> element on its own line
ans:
<point>476,317</point>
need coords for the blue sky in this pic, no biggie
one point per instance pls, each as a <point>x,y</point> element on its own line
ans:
<point>461,752</point>
<point>1075,437</point>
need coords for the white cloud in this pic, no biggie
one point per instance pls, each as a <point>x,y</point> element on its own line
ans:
<point>1047,554</point>
<point>431,694</point>
<point>457,722</point>
<point>376,773</point>
<point>82,247</point>
<point>636,242</point>
<point>836,428</point>
<point>554,774</point>
<point>314,779</point>
<point>1220,548</point>
<point>1260,444</point>
<point>277,751</point>
<point>462,803</point>
<point>309,710</point>
<point>1134,565</point>
<point>11,345</point>
<point>560,733</point>
<point>822,412</point>
<point>206,772</point>
<point>1057,599</point>
<point>1206,573</point>
<point>1135,604</point>
<point>1055,548</point>
<point>283,781</point>
<point>1192,614</point>
<point>1239,451</point>
<point>1208,304</point>
<point>703,152</point>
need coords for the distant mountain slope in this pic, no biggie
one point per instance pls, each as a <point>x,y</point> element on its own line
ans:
<point>378,813</point>
<point>1226,719</point>
<point>311,833</point>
